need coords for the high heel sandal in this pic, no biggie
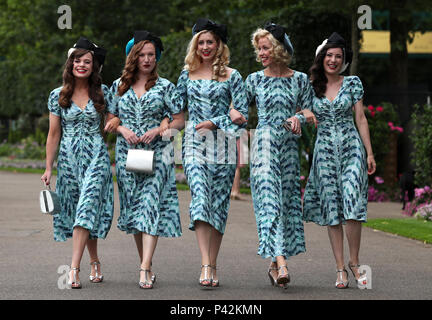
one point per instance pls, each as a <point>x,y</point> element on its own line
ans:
<point>362,279</point>
<point>342,284</point>
<point>98,277</point>
<point>283,278</point>
<point>73,283</point>
<point>146,284</point>
<point>273,281</point>
<point>206,281</point>
<point>215,283</point>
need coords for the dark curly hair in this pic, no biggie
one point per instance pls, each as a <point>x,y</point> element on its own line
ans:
<point>95,83</point>
<point>316,71</point>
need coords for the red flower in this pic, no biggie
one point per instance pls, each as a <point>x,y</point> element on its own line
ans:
<point>370,107</point>
<point>372,113</point>
<point>379,109</point>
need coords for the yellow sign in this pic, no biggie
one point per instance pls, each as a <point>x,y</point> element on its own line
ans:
<point>379,42</point>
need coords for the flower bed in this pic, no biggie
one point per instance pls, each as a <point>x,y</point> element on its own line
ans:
<point>421,206</point>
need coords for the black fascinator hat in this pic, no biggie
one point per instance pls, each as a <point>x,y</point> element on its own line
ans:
<point>206,24</point>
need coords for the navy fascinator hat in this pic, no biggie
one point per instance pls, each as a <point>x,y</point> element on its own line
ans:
<point>83,43</point>
<point>279,33</point>
<point>206,24</point>
<point>337,40</point>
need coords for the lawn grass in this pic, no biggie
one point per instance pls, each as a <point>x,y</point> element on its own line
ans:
<point>406,227</point>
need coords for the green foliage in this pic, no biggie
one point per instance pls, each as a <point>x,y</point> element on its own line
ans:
<point>422,140</point>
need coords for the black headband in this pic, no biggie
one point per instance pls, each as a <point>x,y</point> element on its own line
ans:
<point>99,53</point>
<point>205,24</point>
<point>279,33</point>
<point>146,35</point>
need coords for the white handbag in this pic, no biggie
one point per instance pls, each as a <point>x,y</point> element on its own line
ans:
<point>49,201</point>
<point>139,160</point>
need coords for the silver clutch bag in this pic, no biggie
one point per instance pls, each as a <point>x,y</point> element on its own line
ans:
<point>49,201</point>
<point>141,161</point>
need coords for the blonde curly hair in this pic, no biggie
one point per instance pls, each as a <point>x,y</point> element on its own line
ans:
<point>277,52</point>
<point>221,60</point>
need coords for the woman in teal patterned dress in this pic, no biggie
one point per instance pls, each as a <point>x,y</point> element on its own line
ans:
<point>206,87</point>
<point>337,188</point>
<point>275,170</point>
<point>84,179</point>
<point>148,202</point>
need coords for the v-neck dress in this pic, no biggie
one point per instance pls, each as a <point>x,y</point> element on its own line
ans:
<point>84,179</point>
<point>210,161</point>
<point>336,190</point>
<point>275,166</point>
<point>148,202</point>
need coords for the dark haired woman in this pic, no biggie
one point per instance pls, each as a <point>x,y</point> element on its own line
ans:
<point>84,179</point>
<point>206,87</point>
<point>148,202</point>
<point>275,168</point>
<point>337,188</point>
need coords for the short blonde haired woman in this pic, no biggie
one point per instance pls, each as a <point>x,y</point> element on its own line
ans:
<point>278,92</point>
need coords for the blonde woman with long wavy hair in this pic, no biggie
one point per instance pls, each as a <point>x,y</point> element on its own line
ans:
<point>207,86</point>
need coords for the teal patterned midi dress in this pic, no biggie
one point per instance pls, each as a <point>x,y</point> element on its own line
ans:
<point>210,161</point>
<point>84,179</point>
<point>148,202</point>
<point>337,187</point>
<point>275,166</point>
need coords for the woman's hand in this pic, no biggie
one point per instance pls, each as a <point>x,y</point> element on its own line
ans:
<point>163,127</point>
<point>237,117</point>
<point>46,177</point>
<point>129,135</point>
<point>295,125</point>
<point>310,117</point>
<point>371,164</point>
<point>202,127</point>
<point>112,125</point>
<point>150,135</point>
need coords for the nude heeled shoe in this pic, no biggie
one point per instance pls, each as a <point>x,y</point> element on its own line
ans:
<point>215,283</point>
<point>283,278</point>
<point>273,281</point>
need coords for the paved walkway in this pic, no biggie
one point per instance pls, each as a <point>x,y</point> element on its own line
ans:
<point>30,259</point>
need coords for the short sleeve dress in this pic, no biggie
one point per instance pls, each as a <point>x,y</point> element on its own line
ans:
<point>84,179</point>
<point>336,190</point>
<point>210,161</point>
<point>148,202</point>
<point>275,167</point>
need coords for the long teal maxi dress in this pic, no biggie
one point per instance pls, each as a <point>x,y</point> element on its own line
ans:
<point>210,161</point>
<point>148,202</point>
<point>84,179</point>
<point>275,166</point>
<point>337,187</point>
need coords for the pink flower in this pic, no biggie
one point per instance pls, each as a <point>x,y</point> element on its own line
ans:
<point>427,189</point>
<point>398,129</point>
<point>302,177</point>
<point>418,192</point>
<point>379,109</point>
<point>370,107</point>
<point>390,124</point>
<point>379,180</point>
